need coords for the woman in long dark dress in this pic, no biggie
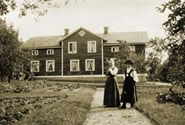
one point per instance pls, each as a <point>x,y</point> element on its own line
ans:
<point>129,94</point>
<point>111,91</point>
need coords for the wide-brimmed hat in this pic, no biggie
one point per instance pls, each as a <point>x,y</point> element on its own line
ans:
<point>129,62</point>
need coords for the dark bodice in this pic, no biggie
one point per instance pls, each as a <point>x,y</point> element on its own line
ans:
<point>128,76</point>
<point>109,74</point>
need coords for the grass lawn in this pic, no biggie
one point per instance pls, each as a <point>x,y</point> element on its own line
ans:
<point>47,104</point>
<point>159,113</point>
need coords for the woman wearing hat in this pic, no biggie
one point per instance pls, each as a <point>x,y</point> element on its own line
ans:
<point>129,88</point>
<point>111,91</point>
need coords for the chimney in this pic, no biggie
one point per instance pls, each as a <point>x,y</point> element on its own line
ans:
<point>105,30</point>
<point>66,32</point>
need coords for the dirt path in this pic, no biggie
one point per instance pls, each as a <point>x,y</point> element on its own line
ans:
<point>113,116</point>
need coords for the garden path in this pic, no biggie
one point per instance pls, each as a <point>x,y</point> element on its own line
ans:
<point>113,116</point>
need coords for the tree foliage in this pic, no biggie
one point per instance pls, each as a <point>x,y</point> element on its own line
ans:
<point>152,66</point>
<point>176,63</point>
<point>6,6</point>
<point>159,47</point>
<point>175,28</point>
<point>11,56</point>
<point>125,53</point>
<point>175,24</point>
<point>155,57</point>
<point>39,7</point>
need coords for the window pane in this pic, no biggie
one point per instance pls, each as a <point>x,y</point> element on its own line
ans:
<point>90,65</point>
<point>74,64</point>
<point>35,66</point>
<point>50,51</point>
<point>132,48</point>
<point>70,47</point>
<point>115,49</point>
<point>74,67</point>
<point>91,46</point>
<point>50,65</point>
<point>73,48</point>
<point>35,52</point>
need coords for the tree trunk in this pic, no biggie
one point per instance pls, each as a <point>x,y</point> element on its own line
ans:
<point>9,77</point>
<point>1,78</point>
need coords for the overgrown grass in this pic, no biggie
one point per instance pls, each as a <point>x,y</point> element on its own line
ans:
<point>69,111</point>
<point>159,113</point>
<point>46,103</point>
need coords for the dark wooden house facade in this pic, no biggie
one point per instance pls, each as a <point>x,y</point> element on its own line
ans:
<point>80,52</point>
<point>86,57</point>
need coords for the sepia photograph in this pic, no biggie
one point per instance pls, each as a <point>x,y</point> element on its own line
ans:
<point>92,62</point>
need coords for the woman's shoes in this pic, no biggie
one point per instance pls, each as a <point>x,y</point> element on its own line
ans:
<point>123,107</point>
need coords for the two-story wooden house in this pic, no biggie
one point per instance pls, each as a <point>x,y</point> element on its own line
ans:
<point>80,52</point>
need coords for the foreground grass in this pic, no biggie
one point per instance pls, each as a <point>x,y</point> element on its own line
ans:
<point>44,103</point>
<point>159,113</point>
<point>69,111</point>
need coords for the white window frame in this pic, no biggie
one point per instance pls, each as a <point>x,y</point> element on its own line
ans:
<point>53,64</point>
<point>38,66</point>
<point>132,48</point>
<point>50,51</point>
<point>89,47</point>
<point>93,67</point>
<point>78,65</point>
<point>71,52</point>
<point>35,52</point>
<point>115,49</point>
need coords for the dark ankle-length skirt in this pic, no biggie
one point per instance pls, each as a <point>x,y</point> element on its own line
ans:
<point>129,92</point>
<point>111,93</point>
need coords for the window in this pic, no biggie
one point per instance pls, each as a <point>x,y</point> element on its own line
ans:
<point>115,49</point>
<point>74,65</point>
<point>91,46</point>
<point>132,48</point>
<point>35,52</point>
<point>89,65</point>
<point>72,47</point>
<point>50,65</point>
<point>35,66</point>
<point>50,52</point>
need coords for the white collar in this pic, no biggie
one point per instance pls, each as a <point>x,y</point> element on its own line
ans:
<point>129,69</point>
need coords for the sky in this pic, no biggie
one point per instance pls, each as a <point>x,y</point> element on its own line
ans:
<point>118,15</point>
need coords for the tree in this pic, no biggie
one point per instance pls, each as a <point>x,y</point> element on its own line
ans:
<point>139,61</point>
<point>125,53</point>
<point>175,28</point>
<point>39,7</point>
<point>175,25</point>
<point>159,48</point>
<point>155,57</point>
<point>152,66</point>
<point>11,55</point>
<point>176,64</point>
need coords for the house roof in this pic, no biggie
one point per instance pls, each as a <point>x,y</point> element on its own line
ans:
<point>139,37</point>
<point>81,28</point>
<point>110,38</point>
<point>44,41</point>
<point>49,41</point>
